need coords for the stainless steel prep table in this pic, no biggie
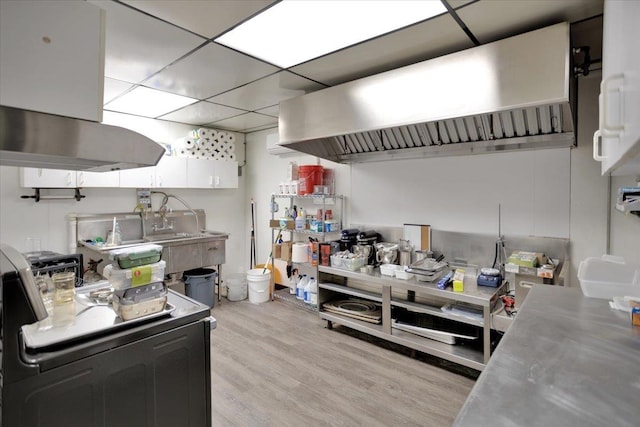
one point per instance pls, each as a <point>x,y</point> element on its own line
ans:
<point>566,360</point>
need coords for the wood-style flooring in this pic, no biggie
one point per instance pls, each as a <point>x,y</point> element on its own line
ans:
<point>274,364</point>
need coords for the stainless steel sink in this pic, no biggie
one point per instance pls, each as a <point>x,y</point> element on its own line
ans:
<point>184,236</point>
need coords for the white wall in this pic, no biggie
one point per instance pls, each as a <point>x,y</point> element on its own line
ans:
<point>462,193</point>
<point>22,218</point>
<point>552,193</point>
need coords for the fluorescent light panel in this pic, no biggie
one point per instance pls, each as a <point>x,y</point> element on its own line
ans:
<point>147,102</point>
<point>295,31</point>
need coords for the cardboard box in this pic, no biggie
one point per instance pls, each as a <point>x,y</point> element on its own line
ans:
<point>285,251</point>
<point>524,259</point>
<point>285,224</point>
<point>277,250</point>
<point>418,235</point>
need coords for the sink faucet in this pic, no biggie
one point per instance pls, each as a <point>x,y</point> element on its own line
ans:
<point>162,210</point>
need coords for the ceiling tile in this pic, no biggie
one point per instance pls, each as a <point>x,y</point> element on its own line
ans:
<point>138,45</point>
<point>113,88</point>
<point>267,91</point>
<point>516,17</point>
<point>207,18</point>
<point>201,113</point>
<point>459,3</point>
<point>245,121</point>
<point>210,70</point>
<point>434,37</point>
<point>274,110</point>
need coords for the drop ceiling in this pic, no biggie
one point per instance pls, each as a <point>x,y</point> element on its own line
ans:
<point>168,45</point>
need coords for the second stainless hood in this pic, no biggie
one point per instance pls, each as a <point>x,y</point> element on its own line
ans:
<point>40,140</point>
<point>510,94</point>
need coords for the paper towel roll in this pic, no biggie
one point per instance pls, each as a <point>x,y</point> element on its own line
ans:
<point>190,143</point>
<point>300,252</point>
<point>231,137</point>
<point>231,147</point>
<point>231,156</point>
<point>203,133</point>
<point>193,134</point>
<point>213,134</point>
<point>222,155</point>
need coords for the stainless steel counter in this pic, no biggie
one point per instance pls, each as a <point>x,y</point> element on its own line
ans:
<point>566,360</point>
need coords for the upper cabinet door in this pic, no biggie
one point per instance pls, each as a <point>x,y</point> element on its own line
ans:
<point>47,178</point>
<point>619,130</point>
<point>98,179</point>
<point>52,57</point>
<point>171,172</point>
<point>226,174</point>
<point>212,173</point>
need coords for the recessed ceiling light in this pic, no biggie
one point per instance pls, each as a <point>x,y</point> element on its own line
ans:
<point>147,102</point>
<point>295,31</point>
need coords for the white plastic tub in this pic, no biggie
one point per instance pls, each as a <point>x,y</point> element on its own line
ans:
<point>609,277</point>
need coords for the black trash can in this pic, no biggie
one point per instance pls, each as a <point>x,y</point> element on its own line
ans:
<point>199,284</point>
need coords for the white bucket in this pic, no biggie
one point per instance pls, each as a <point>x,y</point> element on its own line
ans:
<point>236,287</point>
<point>258,285</point>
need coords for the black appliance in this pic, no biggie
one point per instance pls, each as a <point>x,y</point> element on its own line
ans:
<point>98,369</point>
<point>348,238</point>
<point>367,240</point>
<point>48,263</point>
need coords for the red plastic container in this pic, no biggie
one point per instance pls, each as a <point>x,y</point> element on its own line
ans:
<point>308,176</point>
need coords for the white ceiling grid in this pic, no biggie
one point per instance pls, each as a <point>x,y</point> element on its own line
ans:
<point>168,45</point>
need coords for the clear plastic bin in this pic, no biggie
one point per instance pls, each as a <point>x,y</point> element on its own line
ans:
<point>132,277</point>
<point>351,264</point>
<point>140,301</point>
<point>609,276</point>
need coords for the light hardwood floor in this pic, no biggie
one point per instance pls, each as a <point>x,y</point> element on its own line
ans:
<point>275,364</point>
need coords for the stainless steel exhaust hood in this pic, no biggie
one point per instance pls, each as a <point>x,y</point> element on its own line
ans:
<point>41,140</point>
<point>510,94</point>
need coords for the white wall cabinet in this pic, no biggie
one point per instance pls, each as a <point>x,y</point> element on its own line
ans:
<point>170,172</point>
<point>52,57</point>
<point>619,130</point>
<point>212,174</point>
<point>98,179</point>
<point>47,178</point>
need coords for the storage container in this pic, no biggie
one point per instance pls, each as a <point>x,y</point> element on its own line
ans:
<point>351,264</point>
<point>308,177</point>
<point>141,301</point>
<point>388,269</point>
<point>199,284</point>
<point>609,276</point>
<point>136,256</point>
<point>133,277</point>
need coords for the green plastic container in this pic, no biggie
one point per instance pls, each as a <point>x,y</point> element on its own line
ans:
<point>136,256</point>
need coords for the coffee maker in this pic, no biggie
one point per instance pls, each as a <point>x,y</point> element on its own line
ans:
<point>367,241</point>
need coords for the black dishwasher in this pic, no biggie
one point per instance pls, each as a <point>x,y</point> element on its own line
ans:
<point>98,370</point>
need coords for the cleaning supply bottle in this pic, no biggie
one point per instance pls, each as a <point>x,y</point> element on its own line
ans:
<point>300,287</point>
<point>306,291</point>
<point>312,291</point>
<point>295,278</point>
<point>300,220</point>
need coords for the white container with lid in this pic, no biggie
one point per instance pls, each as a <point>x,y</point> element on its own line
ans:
<point>609,276</point>
<point>132,277</point>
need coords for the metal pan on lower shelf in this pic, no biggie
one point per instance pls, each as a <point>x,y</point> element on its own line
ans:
<point>434,334</point>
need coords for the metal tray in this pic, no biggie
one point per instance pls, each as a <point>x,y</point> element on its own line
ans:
<point>78,322</point>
